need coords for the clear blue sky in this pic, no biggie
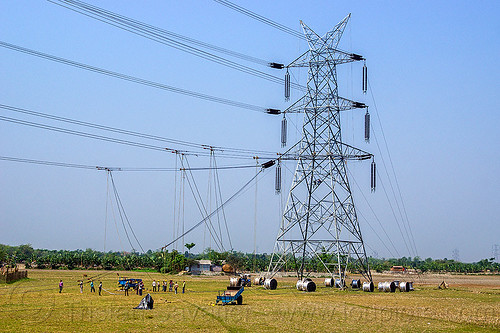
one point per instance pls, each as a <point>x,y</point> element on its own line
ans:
<point>432,68</point>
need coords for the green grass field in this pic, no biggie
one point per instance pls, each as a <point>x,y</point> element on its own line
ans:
<point>35,305</point>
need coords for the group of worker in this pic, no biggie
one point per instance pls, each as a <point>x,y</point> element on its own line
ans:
<point>80,283</point>
<point>158,286</point>
<point>139,287</point>
<point>92,287</point>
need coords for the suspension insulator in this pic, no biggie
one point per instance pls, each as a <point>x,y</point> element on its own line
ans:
<point>287,85</point>
<point>365,79</point>
<point>373,176</point>
<point>278,178</point>
<point>367,126</point>
<point>283,131</point>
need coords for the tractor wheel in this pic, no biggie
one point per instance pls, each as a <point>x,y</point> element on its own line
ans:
<point>239,300</point>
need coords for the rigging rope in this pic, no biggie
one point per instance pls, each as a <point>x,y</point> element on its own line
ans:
<point>119,202</point>
<point>203,211</point>
<point>216,210</point>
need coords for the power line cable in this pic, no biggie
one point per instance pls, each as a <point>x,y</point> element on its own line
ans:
<point>202,147</point>
<point>123,169</point>
<point>235,155</point>
<point>127,20</point>
<point>127,25</point>
<point>408,231</point>
<point>236,194</point>
<point>133,78</point>
<point>261,18</point>
<point>119,202</point>
<point>376,218</point>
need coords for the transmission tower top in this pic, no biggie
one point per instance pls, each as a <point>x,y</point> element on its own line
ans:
<point>319,224</point>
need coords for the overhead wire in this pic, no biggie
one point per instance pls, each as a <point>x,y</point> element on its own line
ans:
<point>133,78</point>
<point>261,18</point>
<point>217,181</point>
<point>143,30</point>
<point>376,218</point>
<point>408,231</point>
<point>202,147</point>
<point>124,19</point>
<point>84,134</point>
<point>122,169</point>
<point>231,198</point>
<point>201,206</point>
<point>122,210</point>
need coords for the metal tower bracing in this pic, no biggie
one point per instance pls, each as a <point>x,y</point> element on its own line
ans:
<point>319,224</point>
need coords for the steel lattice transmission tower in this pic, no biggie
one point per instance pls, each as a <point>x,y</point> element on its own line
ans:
<point>319,221</point>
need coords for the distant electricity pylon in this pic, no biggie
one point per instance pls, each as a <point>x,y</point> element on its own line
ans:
<point>495,249</point>
<point>455,254</point>
<point>319,224</point>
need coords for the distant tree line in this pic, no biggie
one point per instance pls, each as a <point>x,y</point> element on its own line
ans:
<point>174,261</point>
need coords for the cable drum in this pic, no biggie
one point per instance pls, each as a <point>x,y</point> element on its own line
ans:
<point>339,283</point>
<point>388,287</point>
<point>270,284</point>
<point>329,282</point>
<point>368,287</point>
<point>404,287</point>
<point>235,282</point>
<point>258,281</point>
<point>356,284</point>
<point>306,285</point>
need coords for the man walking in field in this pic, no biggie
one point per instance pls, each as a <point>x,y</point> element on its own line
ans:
<point>154,285</point>
<point>60,286</point>
<point>100,288</point>
<point>175,287</point>
<point>81,286</point>
<point>92,289</point>
<point>183,286</point>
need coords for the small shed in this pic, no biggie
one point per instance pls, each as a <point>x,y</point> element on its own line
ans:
<point>397,269</point>
<point>201,266</point>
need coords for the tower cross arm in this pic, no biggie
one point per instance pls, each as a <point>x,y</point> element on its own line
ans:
<point>347,152</point>
<point>336,57</point>
<point>342,104</point>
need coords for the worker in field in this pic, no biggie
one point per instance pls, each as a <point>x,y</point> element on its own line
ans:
<point>126,289</point>
<point>80,283</point>
<point>140,286</point>
<point>92,288</point>
<point>176,286</point>
<point>164,286</point>
<point>154,285</point>
<point>170,285</point>
<point>100,287</point>
<point>60,286</point>
<point>183,286</point>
